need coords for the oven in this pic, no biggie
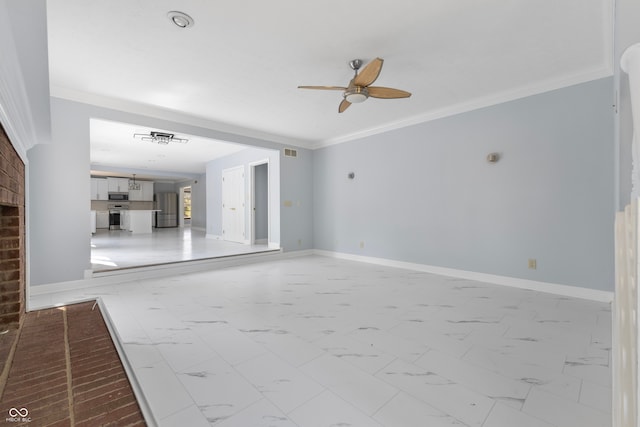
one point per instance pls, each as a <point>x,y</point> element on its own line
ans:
<point>114,219</point>
<point>115,213</point>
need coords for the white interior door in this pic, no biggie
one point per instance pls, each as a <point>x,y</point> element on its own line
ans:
<point>260,202</point>
<point>233,196</point>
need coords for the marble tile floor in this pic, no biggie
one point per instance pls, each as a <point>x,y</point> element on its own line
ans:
<point>315,341</point>
<point>117,249</point>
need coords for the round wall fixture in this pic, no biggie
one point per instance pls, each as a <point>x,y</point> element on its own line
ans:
<point>493,157</point>
<point>180,19</point>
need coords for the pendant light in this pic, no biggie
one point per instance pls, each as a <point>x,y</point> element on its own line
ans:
<point>133,185</point>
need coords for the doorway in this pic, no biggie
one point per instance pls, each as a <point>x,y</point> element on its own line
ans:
<point>185,207</point>
<point>233,196</point>
<point>260,202</point>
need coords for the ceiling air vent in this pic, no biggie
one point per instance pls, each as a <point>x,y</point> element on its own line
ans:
<point>290,152</point>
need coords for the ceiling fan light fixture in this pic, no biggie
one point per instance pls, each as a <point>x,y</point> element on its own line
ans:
<point>356,95</point>
<point>360,88</point>
<point>180,19</point>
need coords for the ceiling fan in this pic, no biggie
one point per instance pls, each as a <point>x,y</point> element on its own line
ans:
<point>359,88</point>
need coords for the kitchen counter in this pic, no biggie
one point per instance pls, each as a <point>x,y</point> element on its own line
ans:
<point>138,220</point>
<point>92,219</point>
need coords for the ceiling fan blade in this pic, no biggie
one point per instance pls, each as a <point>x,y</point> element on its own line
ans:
<point>323,87</point>
<point>387,92</point>
<point>369,73</point>
<point>343,105</point>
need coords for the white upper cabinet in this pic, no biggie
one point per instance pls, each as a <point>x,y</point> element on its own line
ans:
<point>145,193</point>
<point>118,185</point>
<point>135,194</point>
<point>99,189</point>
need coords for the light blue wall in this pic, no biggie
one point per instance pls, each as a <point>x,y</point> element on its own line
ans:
<point>294,193</point>
<point>261,179</point>
<point>59,200</point>
<point>214,189</point>
<point>425,194</point>
<point>164,187</point>
<point>297,201</point>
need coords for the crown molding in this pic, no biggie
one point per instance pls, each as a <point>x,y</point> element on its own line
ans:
<point>15,111</point>
<point>475,104</point>
<point>15,120</point>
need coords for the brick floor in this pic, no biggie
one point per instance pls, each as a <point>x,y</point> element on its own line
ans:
<point>66,372</point>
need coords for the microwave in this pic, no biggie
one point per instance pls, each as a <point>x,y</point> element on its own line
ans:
<point>118,196</point>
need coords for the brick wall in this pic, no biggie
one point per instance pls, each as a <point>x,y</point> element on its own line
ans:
<point>12,237</point>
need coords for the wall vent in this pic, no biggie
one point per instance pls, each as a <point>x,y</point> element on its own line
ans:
<point>290,152</point>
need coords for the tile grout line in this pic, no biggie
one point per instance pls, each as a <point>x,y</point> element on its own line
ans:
<point>493,406</point>
<point>372,416</point>
<point>67,356</point>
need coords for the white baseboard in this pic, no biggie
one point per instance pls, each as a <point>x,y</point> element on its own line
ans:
<point>552,288</point>
<point>300,253</point>
<point>154,271</point>
<point>126,275</point>
<point>273,245</point>
<point>213,236</point>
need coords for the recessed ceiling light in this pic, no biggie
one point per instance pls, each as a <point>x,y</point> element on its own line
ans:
<point>181,19</point>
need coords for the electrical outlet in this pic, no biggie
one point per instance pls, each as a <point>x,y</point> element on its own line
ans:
<point>533,264</point>
<point>299,242</point>
<point>362,244</point>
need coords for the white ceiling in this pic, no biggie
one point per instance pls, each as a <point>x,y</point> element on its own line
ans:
<point>237,69</point>
<point>116,152</point>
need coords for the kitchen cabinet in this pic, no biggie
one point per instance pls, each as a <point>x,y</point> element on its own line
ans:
<point>93,221</point>
<point>145,193</point>
<point>136,195</point>
<point>118,185</point>
<point>102,219</point>
<point>137,221</point>
<point>99,189</point>
<point>124,220</point>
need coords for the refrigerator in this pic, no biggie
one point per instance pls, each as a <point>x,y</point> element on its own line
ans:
<point>167,205</point>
